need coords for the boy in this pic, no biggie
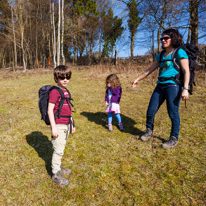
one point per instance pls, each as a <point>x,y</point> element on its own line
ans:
<point>60,126</point>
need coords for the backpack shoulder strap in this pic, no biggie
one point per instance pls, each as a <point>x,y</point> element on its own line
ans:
<point>69,99</point>
<point>61,102</point>
<point>59,90</point>
<point>68,93</point>
<point>174,59</point>
<point>161,56</point>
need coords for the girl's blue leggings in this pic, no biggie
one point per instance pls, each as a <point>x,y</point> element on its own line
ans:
<point>118,117</point>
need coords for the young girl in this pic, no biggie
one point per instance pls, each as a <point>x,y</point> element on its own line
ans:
<point>112,99</point>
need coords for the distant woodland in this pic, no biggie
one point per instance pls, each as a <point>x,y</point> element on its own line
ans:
<point>44,33</point>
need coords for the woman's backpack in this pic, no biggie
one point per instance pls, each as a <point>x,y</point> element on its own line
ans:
<point>192,52</point>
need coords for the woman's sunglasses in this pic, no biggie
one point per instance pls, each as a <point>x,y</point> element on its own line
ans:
<point>165,38</point>
<point>63,78</point>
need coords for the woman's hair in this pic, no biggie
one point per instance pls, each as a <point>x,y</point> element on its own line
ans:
<point>62,71</point>
<point>176,37</point>
<point>114,80</point>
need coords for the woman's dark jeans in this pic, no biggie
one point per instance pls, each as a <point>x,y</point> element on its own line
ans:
<point>172,94</point>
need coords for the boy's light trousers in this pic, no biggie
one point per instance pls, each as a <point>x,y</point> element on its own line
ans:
<point>59,146</point>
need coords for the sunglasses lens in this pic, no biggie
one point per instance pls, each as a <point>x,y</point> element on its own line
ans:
<point>164,38</point>
<point>63,78</point>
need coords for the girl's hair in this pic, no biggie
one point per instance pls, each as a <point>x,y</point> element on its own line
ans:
<point>114,80</point>
<point>176,37</point>
<point>62,71</point>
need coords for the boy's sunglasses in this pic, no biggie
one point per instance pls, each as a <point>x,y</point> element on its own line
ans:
<point>165,38</point>
<point>63,78</point>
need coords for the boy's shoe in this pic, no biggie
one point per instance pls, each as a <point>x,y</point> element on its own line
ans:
<point>61,181</point>
<point>121,127</point>
<point>65,171</point>
<point>148,134</point>
<point>110,127</point>
<point>171,143</point>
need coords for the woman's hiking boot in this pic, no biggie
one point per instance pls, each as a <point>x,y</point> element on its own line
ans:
<point>61,181</point>
<point>121,127</point>
<point>65,171</point>
<point>148,134</point>
<point>110,127</point>
<point>171,143</point>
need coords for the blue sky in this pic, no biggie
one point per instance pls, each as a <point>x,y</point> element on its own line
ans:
<point>142,39</point>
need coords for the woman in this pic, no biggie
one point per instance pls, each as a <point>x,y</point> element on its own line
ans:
<point>166,88</point>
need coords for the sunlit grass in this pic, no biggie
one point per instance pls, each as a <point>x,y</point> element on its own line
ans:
<point>109,168</point>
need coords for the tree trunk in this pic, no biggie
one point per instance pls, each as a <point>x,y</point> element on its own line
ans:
<point>194,21</point>
<point>44,42</point>
<point>51,35</point>
<point>62,38</point>
<point>158,38</point>
<point>58,38</point>
<point>153,47</point>
<point>115,59</point>
<point>205,57</point>
<point>54,35</point>
<point>75,53</point>
<point>132,45</point>
<point>36,39</point>
<point>189,36</point>
<point>22,47</point>
<point>15,53</point>
<point>100,47</point>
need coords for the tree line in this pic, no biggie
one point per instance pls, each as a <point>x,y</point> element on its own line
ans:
<point>40,33</point>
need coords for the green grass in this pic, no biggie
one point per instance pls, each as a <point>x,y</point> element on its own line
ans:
<point>109,168</point>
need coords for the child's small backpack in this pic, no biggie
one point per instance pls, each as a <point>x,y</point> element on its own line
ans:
<point>192,52</point>
<point>44,101</point>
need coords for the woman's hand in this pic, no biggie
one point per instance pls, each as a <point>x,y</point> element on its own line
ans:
<point>106,103</point>
<point>134,83</point>
<point>147,72</point>
<point>185,94</point>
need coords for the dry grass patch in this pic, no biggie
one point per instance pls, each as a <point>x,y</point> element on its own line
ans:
<point>108,168</point>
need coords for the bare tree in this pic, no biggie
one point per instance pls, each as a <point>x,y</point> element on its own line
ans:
<point>62,36</point>
<point>58,37</point>
<point>54,36</point>
<point>13,27</point>
<point>19,12</point>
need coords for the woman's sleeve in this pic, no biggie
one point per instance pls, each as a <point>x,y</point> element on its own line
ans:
<point>158,57</point>
<point>181,54</point>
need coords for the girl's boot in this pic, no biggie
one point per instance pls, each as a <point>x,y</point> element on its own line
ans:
<point>121,126</point>
<point>110,127</point>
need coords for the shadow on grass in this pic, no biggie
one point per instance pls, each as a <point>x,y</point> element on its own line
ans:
<point>101,119</point>
<point>43,147</point>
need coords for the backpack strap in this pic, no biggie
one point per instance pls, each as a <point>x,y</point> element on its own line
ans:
<point>174,59</point>
<point>61,103</point>
<point>161,56</point>
<point>176,64</point>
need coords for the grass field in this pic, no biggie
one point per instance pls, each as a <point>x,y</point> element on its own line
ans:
<point>108,168</point>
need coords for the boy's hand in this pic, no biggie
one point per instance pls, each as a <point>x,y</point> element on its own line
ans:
<point>73,130</point>
<point>55,132</point>
<point>106,103</point>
